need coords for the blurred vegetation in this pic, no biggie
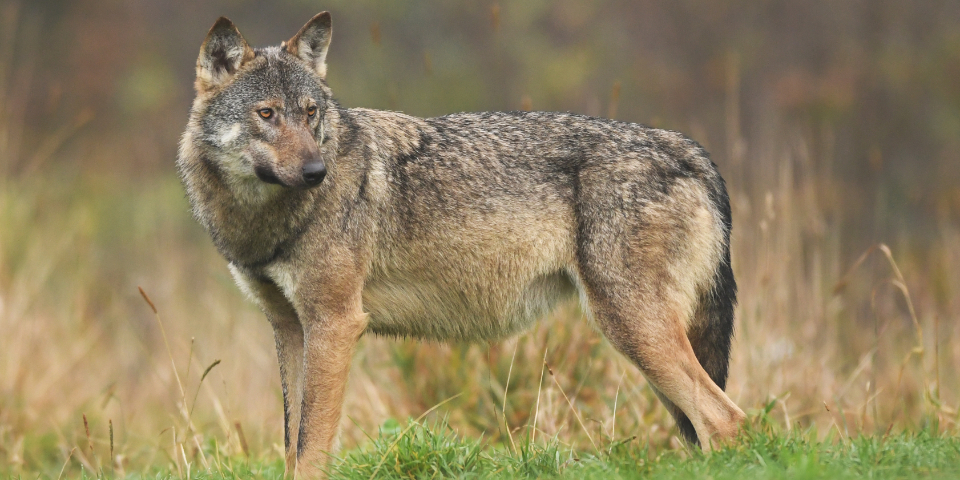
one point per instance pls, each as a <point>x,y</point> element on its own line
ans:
<point>871,85</point>
<point>835,124</point>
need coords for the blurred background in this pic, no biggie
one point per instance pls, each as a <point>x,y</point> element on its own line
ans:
<point>836,125</point>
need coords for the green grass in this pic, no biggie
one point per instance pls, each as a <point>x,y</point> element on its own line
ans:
<point>434,450</point>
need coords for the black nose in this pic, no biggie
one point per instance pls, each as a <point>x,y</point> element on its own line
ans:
<point>314,172</point>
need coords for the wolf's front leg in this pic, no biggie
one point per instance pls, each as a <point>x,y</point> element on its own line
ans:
<point>288,333</point>
<point>289,338</point>
<point>329,341</point>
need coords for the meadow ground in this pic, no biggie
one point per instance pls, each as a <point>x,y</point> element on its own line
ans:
<point>433,450</point>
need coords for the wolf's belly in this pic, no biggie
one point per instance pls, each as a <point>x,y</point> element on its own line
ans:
<point>468,311</point>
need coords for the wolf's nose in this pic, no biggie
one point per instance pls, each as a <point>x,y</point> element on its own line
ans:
<point>314,172</point>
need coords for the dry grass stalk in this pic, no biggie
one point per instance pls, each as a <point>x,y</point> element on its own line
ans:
<point>66,462</point>
<point>243,439</point>
<point>572,408</point>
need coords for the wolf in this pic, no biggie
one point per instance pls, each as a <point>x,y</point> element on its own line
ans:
<point>342,221</point>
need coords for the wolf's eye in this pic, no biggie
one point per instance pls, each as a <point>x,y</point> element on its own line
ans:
<point>311,111</point>
<point>265,113</point>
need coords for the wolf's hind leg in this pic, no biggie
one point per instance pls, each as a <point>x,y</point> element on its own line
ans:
<point>655,268</point>
<point>687,432</point>
<point>653,336</point>
<point>709,336</point>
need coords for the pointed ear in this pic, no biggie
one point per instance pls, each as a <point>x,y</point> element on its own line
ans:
<point>311,42</point>
<point>221,55</point>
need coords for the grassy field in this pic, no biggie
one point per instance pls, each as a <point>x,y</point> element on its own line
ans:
<point>435,450</point>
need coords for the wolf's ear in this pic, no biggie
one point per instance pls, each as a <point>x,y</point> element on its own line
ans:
<point>222,53</point>
<point>311,43</point>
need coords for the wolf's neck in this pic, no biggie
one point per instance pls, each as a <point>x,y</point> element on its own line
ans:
<point>250,224</point>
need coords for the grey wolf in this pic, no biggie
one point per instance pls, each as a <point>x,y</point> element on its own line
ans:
<point>341,221</point>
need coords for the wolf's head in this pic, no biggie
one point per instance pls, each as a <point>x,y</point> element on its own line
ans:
<point>261,114</point>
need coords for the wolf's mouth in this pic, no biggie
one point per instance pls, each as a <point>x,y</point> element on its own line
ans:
<point>267,175</point>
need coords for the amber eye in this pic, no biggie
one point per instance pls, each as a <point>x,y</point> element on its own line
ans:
<point>265,113</point>
<point>311,111</point>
